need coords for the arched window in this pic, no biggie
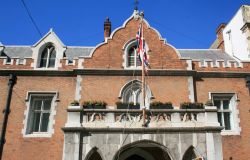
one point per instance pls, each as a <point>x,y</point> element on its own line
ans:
<point>132,59</point>
<point>132,93</point>
<point>48,57</point>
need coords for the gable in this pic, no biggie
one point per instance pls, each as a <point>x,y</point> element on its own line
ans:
<point>110,54</point>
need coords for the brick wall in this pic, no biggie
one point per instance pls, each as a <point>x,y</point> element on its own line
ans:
<point>19,148</point>
<point>236,146</point>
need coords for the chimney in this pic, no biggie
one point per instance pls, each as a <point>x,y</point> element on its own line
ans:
<point>107,28</point>
<point>219,32</point>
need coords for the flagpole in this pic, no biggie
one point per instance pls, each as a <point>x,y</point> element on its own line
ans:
<point>143,77</point>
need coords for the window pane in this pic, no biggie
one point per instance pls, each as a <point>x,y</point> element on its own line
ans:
<point>220,119</point>
<point>225,104</point>
<point>52,58</point>
<point>227,121</point>
<point>131,59</point>
<point>45,122</point>
<point>36,122</point>
<point>217,103</point>
<point>37,104</point>
<point>44,57</point>
<point>47,104</point>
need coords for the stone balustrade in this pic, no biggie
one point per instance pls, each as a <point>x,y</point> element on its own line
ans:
<point>155,118</point>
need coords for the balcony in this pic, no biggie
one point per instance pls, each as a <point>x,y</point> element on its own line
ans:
<point>157,120</point>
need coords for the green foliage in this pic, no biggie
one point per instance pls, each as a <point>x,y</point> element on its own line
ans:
<point>130,105</point>
<point>161,105</point>
<point>94,104</point>
<point>209,103</point>
<point>190,105</point>
<point>74,103</point>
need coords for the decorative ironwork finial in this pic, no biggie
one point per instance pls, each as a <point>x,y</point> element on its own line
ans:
<point>136,5</point>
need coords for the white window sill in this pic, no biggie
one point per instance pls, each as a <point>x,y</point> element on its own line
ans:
<point>230,133</point>
<point>44,69</point>
<point>38,135</point>
<point>133,68</point>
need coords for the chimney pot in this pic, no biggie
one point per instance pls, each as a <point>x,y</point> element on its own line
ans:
<point>107,28</point>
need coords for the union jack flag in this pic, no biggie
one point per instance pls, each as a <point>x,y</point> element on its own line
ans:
<point>142,47</point>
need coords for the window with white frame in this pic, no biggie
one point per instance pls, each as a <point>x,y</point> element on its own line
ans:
<point>131,59</point>
<point>40,114</point>
<point>48,57</point>
<point>132,93</point>
<point>227,111</point>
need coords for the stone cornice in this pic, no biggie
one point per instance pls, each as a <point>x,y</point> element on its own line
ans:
<point>121,72</point>
<point>143,130</point>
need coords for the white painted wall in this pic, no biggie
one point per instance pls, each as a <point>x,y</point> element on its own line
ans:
<point>236,45</point>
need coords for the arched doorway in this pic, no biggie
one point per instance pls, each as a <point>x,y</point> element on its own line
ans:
<point>93,154</point>
<point>135,157</point>
<point>143,150</point>
<point>189,154</point>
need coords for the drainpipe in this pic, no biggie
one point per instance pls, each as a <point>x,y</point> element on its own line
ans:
<point>12,81</point>
<point>81,137</point>
<point>248,83</point>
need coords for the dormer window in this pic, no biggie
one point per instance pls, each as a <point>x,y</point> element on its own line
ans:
<point>48,57</point>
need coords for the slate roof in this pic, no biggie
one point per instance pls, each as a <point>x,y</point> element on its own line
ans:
<point>205,54</point>
<point>17,51</point>
<point>75,52</point>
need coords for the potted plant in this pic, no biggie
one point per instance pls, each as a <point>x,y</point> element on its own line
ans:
<point>209,103</point>
<point>124,105</point>
<point>161,105</point>
<point>190,105</point>
<point>94,105</point>
<point>74,103</point>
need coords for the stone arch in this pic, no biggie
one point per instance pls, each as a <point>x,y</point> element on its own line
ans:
<point>190,154</point>
<point>146,149</point>
<point>94,154</point>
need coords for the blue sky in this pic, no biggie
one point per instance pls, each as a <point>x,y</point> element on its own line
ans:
<point>184,23</point>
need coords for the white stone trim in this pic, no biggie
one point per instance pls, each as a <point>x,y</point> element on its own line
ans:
<point>80,63</point>
<point>189,64</point>
<point>191,88</point>
<point>235,120</point>
<point>70,64</point>
<point>210,146</point>
<point>8,63</point>
<point>18,62</point>
<point>78,87</point>
<point>52,113</point>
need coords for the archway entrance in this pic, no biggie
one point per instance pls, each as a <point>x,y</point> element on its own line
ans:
<point>143,150</point>
<point>135,157</point>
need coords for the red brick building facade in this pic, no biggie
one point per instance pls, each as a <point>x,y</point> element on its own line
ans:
<point>51,75</point>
